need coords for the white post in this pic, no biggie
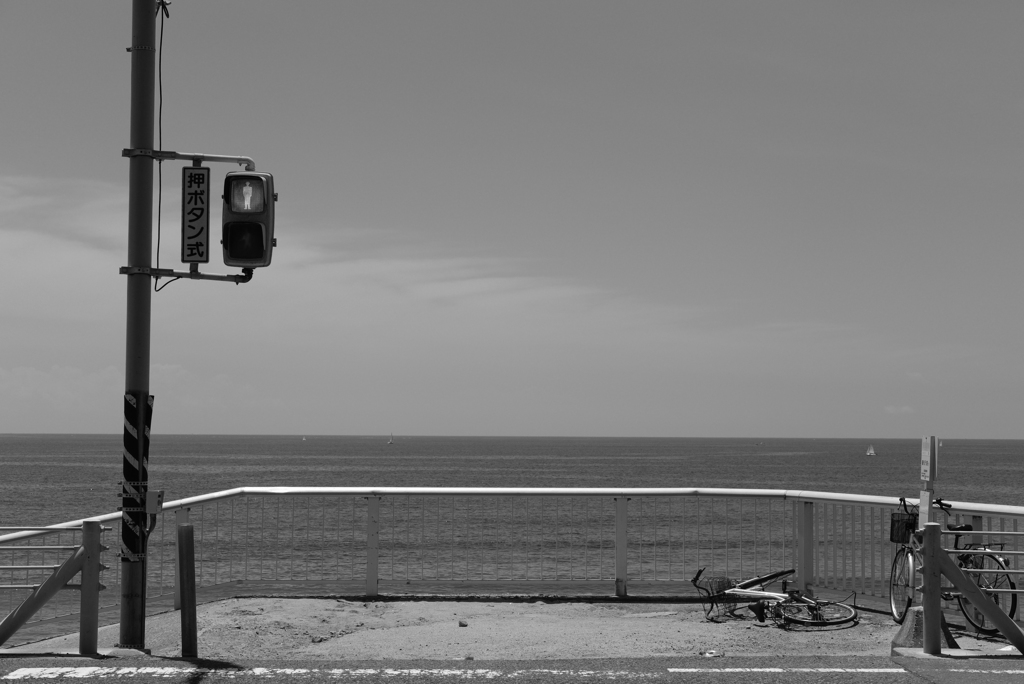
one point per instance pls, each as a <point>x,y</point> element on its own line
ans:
<point>621,547</point>
<point>180,518</point>
<point>805,545</point>
<point>929,472</point>
<point>89,614</point>
<point>372,543</point>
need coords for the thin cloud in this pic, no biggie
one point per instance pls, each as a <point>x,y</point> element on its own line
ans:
<point>81,212</point>
<point>71,399</point>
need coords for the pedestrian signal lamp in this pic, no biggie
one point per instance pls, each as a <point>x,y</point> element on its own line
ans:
<point>248,219</point>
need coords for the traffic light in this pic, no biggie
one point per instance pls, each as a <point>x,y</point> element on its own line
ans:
<point>248,219</point>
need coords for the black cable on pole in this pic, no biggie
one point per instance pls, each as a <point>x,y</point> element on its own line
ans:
<point>160,5</point>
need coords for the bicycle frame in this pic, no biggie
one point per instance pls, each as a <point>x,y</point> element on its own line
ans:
<point>761,594</point>
<point>785,607</point>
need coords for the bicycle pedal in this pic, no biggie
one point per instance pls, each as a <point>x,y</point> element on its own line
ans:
<point>758,609</point>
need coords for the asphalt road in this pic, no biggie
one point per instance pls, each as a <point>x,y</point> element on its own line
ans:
<point>738,670</point>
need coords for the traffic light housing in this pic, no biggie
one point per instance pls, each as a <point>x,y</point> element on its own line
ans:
<point>248,219</point>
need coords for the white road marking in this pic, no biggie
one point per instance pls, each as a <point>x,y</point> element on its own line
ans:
<point>706,670</point>
<point>166,672</point>
<point>181,672</point>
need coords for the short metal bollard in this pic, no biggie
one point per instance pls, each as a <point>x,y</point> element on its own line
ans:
<point>931,600</point>
<point>180,518</point>
<point>187,575</point>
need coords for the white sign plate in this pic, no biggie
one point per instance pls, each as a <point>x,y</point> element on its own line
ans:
<point>195,215</point>
<point>929,459</point>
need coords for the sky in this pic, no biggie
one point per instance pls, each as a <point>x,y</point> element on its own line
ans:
<point>554,218</point>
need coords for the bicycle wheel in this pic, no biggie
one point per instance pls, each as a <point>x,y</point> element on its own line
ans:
<point>901,584</point>
<point>815,613</point>
<point>986,581</point>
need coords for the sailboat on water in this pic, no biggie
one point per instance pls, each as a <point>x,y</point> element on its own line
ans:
<point>871,450</point>
<point>391,439</point>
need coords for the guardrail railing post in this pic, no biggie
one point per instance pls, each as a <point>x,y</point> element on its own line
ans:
<point>621,547</point>
<point>89,612</point>
<point>805,545</point>
<point>931,599</point>
<point>180,518</point>
<point>372,543</point>
<point>978,524</point>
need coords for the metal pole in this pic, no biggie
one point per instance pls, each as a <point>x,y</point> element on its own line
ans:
<point>931,600</point>
<point>180,518</point>
<point>137,399</point>
<point>187,572</point>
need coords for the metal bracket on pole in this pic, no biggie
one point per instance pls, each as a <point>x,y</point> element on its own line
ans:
<point>193,274</point>
<point>196,158</point>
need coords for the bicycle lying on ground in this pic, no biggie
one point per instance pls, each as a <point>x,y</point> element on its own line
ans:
<point>981,562</point>
<point>785,608</point>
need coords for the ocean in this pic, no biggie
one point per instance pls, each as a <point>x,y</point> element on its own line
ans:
<point>46,479</point>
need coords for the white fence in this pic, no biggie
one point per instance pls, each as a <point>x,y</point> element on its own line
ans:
<point>369,540</point>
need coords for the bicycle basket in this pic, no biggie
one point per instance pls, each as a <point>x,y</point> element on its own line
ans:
<point>712,596</point>
<point>902,525</point>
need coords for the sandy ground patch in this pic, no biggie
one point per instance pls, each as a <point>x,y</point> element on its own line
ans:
<point>329,629</point>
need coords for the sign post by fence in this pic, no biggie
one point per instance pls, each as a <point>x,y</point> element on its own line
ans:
<point>929,473</point>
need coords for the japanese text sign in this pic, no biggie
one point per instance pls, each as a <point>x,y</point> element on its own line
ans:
<point>195,215</point>
<point>929,459</point>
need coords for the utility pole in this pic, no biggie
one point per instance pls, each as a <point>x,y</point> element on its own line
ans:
<point>137,401</point>
<point>257,227</point>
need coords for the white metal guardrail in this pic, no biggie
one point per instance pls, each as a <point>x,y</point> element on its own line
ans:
<point>361,540</point>
<point>83,561</point>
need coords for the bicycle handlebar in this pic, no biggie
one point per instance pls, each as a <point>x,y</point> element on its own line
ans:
<point>937,503</point>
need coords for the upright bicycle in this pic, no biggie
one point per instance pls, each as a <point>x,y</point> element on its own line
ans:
<point>788,607</point>
<point>980,562</point>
